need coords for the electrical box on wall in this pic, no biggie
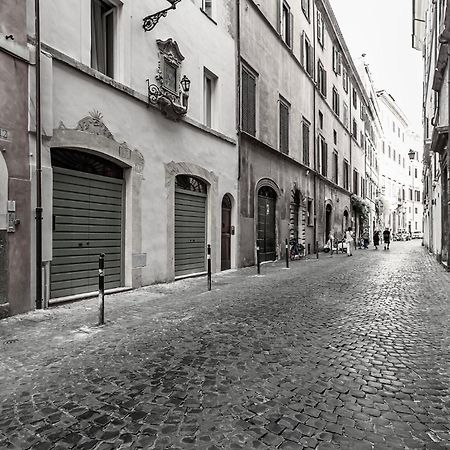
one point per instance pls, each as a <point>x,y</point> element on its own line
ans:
<point>12,221</point>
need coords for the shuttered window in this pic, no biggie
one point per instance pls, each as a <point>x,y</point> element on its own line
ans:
<point>248,102</point>
<point>305,135</point>
<point>284,128</point>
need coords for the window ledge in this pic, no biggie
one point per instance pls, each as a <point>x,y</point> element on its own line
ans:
<point>208,16</point>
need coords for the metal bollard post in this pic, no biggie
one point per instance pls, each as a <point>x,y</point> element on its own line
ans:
<point>258,265</point>
<point>317,249</point>
<point>287,254</point>
<point>101,288</point>
<point>209,267</point>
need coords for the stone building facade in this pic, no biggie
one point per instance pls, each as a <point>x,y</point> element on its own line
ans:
<point>431,36</point>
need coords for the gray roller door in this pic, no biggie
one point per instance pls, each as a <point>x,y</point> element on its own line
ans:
<point>87,221</point>
<point>190,232</point>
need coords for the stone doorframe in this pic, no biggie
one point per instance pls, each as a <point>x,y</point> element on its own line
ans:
<point>214,205</point>
<point>91,135</point>
<point>269,183</point>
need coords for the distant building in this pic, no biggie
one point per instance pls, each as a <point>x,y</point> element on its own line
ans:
<point>431,36</point>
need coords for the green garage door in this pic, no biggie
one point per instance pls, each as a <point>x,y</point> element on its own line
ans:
<point>87,221</point>
<point>190,226</point>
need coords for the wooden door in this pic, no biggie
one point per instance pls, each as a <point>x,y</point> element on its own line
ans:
<point>226,233</point>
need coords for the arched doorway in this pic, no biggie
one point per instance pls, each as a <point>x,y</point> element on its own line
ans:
<point>328,211</point>
<point>87,221</point>
<point>266,223</point>
<point>190,225</point>
<point>226,233</point>
<point>345,222</point>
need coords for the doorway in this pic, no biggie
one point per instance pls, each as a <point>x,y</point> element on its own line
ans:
<point>266,223</point>
<point>226,233</point>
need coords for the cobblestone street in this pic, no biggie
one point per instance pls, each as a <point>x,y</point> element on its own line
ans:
<point>350,353</point>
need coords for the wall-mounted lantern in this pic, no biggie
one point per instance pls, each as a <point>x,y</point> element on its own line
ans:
<point>171,93</point>
<point>151,20</point>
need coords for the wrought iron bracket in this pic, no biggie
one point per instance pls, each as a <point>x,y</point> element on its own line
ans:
<point>151,20</point>
<point>167,106</point>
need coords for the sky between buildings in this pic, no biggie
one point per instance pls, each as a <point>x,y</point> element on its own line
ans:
<point>382,30</point>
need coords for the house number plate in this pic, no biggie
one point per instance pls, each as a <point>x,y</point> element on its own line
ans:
<point>4,134</point>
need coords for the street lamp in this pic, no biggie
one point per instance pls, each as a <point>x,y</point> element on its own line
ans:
<point>151,20</point>
<point>412,156</point>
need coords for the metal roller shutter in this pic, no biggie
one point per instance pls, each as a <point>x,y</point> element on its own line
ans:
<point>190,232</point>
<point>87,221</point>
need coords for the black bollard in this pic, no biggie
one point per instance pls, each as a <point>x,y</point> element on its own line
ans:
<point>101,288</point>
<point>209,267</point>
<point>287,254</point>
<point>317,249</point>
<point>258,265</point>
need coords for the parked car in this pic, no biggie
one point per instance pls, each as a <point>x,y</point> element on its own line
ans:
<point>417,235</point>
<point>402,235</point>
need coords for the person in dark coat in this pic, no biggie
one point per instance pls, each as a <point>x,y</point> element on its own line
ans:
<point>376,239</point>
<point>386,238</point>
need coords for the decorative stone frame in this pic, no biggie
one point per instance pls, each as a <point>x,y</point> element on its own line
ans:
<point>91,135</point>
<point>269,183</point>
<point>214,204</point>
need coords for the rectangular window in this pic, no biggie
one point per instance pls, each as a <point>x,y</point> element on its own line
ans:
<point>320,120</point>
<point>248,102</point>
<point>207,7</point>
<point>362,112</point>
<point>345,82</point>
<point>415,172</point>
<point>337,61</point>
<point>345,115</point>
<point>209,85</point>
<point>305,143</point>
<point>320,29</point>
<point>335,137</point>
<point>284,127</point>
<point>389,151</point>
<point>417,196</point>
<point>307,59</point>
<point>335,101</point>
<point>323,157</point>
<point>393,154</point>
<point>309,212</point>
<point>306,9</point>
<point>321,79</point>
<point>346,173</point>
<point>102,37</point>
<point>410,194</point>
<point>286,24</point>
<point>336,167</point>
<point>355,182</point>
<point>354,98</point>
<point>354,130</point>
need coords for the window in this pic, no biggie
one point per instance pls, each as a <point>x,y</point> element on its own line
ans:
<point>363,187</point>
<point>335,101</point>
<point>384,147</point>
<point>309,212</point>
<point>345,114</point>
<point>335,137</point>
<point>320,29</point>
<point>102,37</point>
<point>355,181</point>
<point>393,154</point>
<point>346,173</point>
<point>393,127</point>
<point>207,7</point>
<point>417,196</point>
<point>362,112</point>
<point>284,127</point>
<point>345,80</point>
<point>306,9</point>
<point>209,85</point>
<point>415,172</point>
<point>305,136</point>
<point>355,130</point>
<point>248,102</point>
<point>320,120</point>
<point>337,61</point>
<point>335,167</point>
<point>323,157</point>
<point>410,194</point>
<point>321,79</point>
<point>400,159</point>
<point>389,151</point>
<point>354,98</point>
<point>307,59</point>
<point>286,24</point>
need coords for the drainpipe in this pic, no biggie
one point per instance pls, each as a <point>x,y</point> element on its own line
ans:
<point>238,84</point>
<point>448,147</point>
<point>315,131</point>
<point>38,160</point>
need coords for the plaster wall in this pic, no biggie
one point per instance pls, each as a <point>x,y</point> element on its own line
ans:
<point>203,42</point>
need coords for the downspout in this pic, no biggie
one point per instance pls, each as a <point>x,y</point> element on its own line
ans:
<point>238,85</point>
<point>38,160</point>
<point>315,132</point>
<point>447,19</point>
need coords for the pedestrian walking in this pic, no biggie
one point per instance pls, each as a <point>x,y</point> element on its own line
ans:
<point>376,239</point>
<point>386,238</point>
<point>365,237</point>
<point>349,241</point>
<point>330,243</point>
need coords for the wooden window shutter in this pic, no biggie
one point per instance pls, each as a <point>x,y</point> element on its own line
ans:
<point>244,100</point>
<point>284,128</point>
<point>303,51</point>
<point>291,30</point>
<point>279,18</point>
<point>248,107</point>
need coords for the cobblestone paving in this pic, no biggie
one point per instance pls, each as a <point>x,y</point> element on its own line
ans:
<point>350,353</point>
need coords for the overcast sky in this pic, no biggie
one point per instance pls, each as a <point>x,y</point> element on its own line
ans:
<point>382,30</point>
